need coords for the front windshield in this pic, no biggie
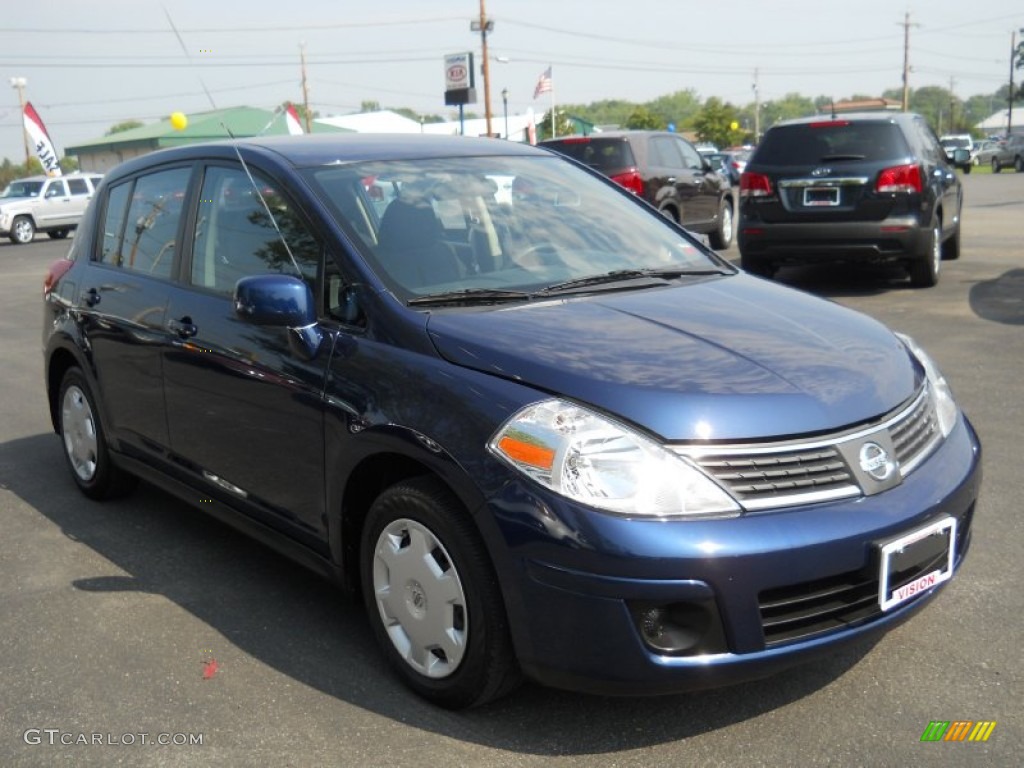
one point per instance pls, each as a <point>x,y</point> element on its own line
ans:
<point>23,189</point>
<point>511,224</point>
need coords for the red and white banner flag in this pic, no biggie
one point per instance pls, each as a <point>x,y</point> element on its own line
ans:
<point>41,141</point>
<point>291,119</point>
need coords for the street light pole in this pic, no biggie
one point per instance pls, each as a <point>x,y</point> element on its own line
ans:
<point>504,102</point>
<point>18,84</point>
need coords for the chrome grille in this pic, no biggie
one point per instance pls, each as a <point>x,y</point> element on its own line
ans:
<point>779,474</point>
<point>766,475</point>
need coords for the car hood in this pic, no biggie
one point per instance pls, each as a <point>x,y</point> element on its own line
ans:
<point>731,358</point>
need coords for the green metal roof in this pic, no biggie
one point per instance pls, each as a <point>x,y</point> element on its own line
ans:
<point>202,126</point>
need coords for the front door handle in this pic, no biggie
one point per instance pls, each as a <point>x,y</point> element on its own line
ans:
<point>183,327</point>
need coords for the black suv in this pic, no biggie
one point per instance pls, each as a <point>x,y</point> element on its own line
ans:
<point>856,187</point>
<point>665,170</point>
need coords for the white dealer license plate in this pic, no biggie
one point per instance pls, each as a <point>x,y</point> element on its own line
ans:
<point>815,196</point>
<point>902,559</point>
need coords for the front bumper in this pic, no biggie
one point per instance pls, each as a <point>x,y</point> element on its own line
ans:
<point>891,239</point>
<point>574,579</point>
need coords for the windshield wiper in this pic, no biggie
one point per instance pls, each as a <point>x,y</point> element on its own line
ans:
<point>469,296</point>
<point>831,158</point>
<point>661,274</point>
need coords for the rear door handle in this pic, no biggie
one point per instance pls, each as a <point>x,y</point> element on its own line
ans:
<point>184,327</point>
<point>92,297</point>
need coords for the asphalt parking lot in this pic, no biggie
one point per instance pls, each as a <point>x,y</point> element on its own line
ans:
<point>113,614</point>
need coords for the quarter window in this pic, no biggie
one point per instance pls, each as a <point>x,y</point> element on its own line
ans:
<point>236,237</point>
<point>113,223</point>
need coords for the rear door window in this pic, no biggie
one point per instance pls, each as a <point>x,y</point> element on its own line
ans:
<point>78,187</point>
<point>144,239</point>
<point>665,152</point>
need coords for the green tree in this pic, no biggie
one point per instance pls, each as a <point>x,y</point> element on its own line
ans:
<point>789,106</point>
<point>680,108</point>
<point>643,119</point>
<point>714,123</point>
<point>68,164</point>
<point>369,106</point>
<point>564,125</point>
<point>127,125</point>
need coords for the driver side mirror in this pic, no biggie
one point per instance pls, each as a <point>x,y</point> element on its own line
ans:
<point>282,301</point>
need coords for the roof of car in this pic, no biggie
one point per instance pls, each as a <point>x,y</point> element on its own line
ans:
<point>327,149</point>
<point>41,177</point>
<point>850,117</point>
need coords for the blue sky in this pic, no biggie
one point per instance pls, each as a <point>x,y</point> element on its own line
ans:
<point>92,64</point>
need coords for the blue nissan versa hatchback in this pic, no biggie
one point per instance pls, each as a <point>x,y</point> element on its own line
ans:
<point>542,429</point>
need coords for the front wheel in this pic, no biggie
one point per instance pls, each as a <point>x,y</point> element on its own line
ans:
<point>85,444</point>
<point>721,238</point>
<point>996,167</point>
<point>1018,164</point>
<point>22,230</point>
<point>432,597</point>
<point>924,270</point>
<point>58,234</point>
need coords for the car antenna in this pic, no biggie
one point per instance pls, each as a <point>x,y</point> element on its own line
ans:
<point>256,188</point>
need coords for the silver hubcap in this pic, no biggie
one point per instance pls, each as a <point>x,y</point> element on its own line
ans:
<point>420,598</point>
<point>79,428</point>
<point>23,230</point>
<point>936,250</point>
<point>727,224</point>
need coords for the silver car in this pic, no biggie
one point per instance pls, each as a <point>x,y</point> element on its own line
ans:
<point>45,204</point>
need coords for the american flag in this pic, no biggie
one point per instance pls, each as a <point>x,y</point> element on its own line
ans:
<point>544,84</point>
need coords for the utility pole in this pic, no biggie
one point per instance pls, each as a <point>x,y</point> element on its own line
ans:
<point>19,83</point>
<point>1009,97</point>
<point>906,60</point>
<point>485,27</point>
<point>952,105</point>
<point>305,88</point>
<point>757,109</point>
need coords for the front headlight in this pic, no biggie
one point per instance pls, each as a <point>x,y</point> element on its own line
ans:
<point>945,405</point>
<point>591,459</point>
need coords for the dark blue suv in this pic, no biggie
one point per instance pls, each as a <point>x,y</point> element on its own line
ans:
<point>543,430</point>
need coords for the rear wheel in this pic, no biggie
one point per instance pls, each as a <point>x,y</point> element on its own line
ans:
<point>721,238</point>
<point>432,597</point>
<point>58,234</point>
<point>924,271</point>
<point>1018,164</point>
<point>951,248</point>
<point>996,167</point>
<point>85,445</point>
<point>22,230</point>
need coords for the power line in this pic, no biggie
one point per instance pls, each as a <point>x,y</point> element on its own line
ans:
<point>276,28</point>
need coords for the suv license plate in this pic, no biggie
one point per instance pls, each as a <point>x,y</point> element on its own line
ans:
<point>821,196</point>
<point>933,543</point>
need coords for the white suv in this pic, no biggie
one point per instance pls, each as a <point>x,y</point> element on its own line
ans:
<point>44,204</point>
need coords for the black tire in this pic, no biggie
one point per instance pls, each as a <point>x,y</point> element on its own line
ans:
<point>924,270</point>
<point>996,167</point>
<point>1018,164</point>
<point>967,168</point>
<point>422,515</point>
<point>58,234</point>
<point>722,236</point>
<point>22,230</point>
<point>756,266</point>
<point>84,441</point>
<point>951,247</point>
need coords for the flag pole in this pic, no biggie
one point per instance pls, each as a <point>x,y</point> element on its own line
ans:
<point>552,71</point>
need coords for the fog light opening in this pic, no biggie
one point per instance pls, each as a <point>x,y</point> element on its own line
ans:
<point>678,628</point>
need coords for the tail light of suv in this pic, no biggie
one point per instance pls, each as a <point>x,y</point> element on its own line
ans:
<point>755,185</point>
<point>631,180</point>
<point>55,273</point>
<point>900,178</point>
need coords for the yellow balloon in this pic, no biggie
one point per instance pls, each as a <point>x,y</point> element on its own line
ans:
<point>178,121</point>
<point>734,125</point>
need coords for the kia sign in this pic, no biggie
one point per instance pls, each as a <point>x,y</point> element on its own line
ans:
<point>458,79</point>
